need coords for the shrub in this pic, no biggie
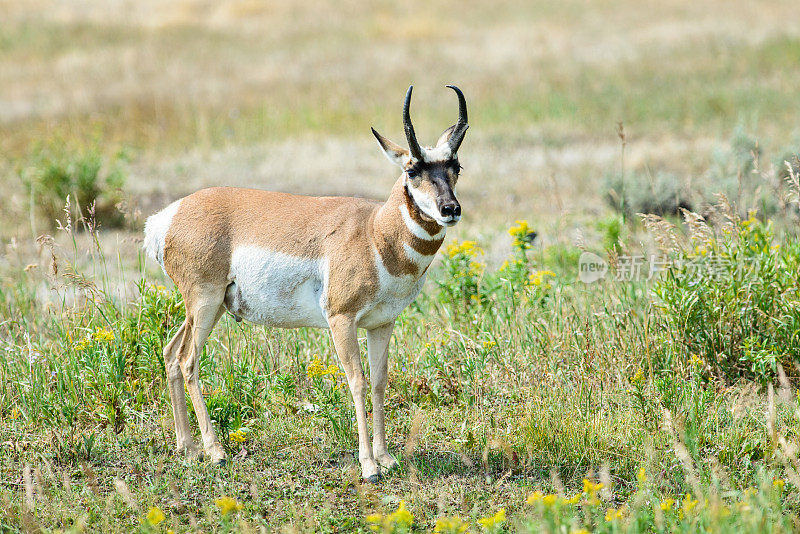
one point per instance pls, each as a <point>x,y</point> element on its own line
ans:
<point>55,170</point>
<point>662,194</point>
<point>732,299</point>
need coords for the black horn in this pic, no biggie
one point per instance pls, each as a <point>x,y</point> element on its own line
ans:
<point>461,126</point>
<point>413,145</point>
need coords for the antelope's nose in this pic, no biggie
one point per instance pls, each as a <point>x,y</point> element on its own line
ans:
<point>451,209</point>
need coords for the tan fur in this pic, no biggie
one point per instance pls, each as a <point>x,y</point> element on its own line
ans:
<point>357,241</point>
<point>210,224</point>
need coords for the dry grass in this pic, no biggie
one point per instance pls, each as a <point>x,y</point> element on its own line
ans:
<point>281,96</point>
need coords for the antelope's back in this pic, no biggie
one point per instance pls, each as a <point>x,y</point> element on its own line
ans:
<point>195,237</point>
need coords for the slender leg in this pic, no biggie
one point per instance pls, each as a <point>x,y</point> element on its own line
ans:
<point>205,315</point>
<point>183,433</point>
<point>378,349</point>
<point>345,340</point>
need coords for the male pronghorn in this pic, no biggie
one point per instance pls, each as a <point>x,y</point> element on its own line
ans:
<point>289,261</point>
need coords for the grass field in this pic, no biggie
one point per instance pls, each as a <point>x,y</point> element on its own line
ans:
<point>520,399</point>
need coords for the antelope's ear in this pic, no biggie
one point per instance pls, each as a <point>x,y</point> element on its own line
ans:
<point>396,154</point>
<point>445,137</point>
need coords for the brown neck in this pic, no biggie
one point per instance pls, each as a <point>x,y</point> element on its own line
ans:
<point>392,235</point>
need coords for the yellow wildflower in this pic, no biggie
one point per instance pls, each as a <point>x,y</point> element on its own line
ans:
<point>521,229</point>
<point>467,248</point>
<point>777,483</point>
<point>82,344</point>
<point>155,516</point>
<point>537,277</point>
<point>575,499</point>
<point>450,525</point>
<point>400,517</point>
<point>315,368</point>
<point>641,476</point>
<point>475,268</point>
<point>590,487</point>
<point>580,531</point>
<point>697,361</point>
<point>667,504</point>
<point>612,514</point>
<point>534,497</point>
<point>104,335</point>
<point>490,522</point>
<point>227,505</point>
<point>549,500</point>
<point>689,503</point>
<point>638,378</point>
<point>15,413</point>
<point>522,234</point>
<point>238,436</point>
<point>375,521</point>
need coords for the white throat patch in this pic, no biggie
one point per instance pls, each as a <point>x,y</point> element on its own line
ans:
<point>414,227</point>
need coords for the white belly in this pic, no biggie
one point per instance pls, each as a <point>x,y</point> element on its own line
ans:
<point>276,289</point>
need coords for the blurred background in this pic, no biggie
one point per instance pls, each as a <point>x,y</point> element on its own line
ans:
<point>136,103</point>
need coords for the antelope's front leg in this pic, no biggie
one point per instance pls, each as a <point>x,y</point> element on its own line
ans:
<point>378,349</point>
<point>345,340</point>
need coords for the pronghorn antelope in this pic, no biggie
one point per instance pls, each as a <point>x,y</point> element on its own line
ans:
<point>290,261</point>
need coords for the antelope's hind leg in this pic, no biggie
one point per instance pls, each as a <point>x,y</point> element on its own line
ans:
<point>180,415</point>
<point>202,313</point>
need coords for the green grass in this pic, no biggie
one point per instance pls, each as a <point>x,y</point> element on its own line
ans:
<point>536,384</point>
<point>504,381</point>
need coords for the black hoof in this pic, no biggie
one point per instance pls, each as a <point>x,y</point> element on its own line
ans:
<point>374,479</point>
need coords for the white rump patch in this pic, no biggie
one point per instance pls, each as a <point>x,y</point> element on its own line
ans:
<point>277,289</point>
<point>418,230</point>
<point>155,231</point>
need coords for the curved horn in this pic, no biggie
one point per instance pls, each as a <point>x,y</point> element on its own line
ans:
<point>461,126</point>
<point>413,145</point>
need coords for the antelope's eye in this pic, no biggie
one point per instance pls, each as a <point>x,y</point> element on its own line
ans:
<point>411,173</point>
